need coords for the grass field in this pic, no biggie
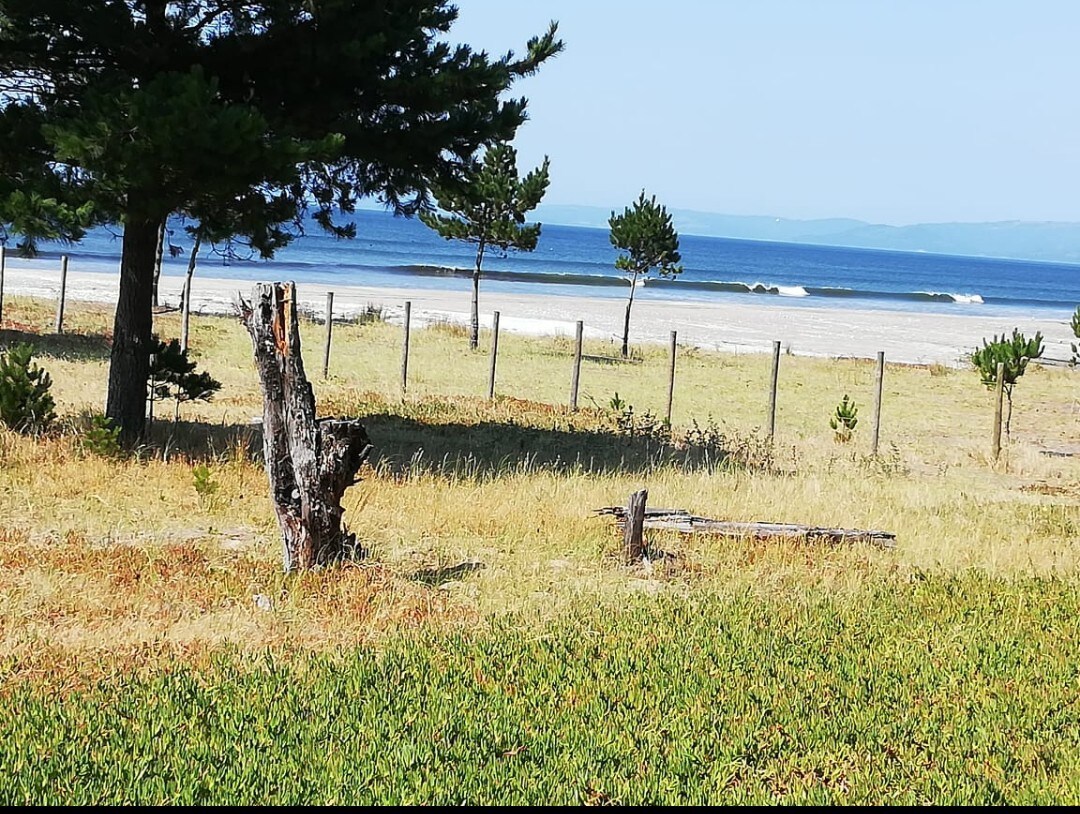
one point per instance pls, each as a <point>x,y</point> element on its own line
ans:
<point>493,647</point>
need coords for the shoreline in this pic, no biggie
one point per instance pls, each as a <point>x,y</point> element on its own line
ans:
<point>905,336</point>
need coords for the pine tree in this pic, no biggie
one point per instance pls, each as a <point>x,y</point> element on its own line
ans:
<point>1013,353</point>
<point>487,208</point>
<point>25,402</point>
<point>645,232</point>
<point>243,115</point>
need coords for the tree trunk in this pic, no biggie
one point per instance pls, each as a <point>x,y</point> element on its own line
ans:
<point>129,363</point>
<point>626,323</point>
<point>158,254</point>
<point>474,332</point>
<point>310,462</point>
<point>185,299</point>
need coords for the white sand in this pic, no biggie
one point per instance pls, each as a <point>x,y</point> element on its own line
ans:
<point>734,327</point>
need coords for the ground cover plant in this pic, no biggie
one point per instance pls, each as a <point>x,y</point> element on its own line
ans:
<point>492,647</point>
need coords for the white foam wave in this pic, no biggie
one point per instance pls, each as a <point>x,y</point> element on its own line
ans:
<point>967,299</point>
<point>960,299</point>
<point>782,290</point>
<point>792,291</point>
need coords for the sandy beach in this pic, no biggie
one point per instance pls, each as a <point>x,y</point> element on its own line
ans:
<point>732,327</point>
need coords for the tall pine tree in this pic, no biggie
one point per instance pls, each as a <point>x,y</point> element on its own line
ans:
<point>246,115</point>
<point>488,207</point>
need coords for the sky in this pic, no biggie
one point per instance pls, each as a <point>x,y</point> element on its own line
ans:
<point>889,112</point>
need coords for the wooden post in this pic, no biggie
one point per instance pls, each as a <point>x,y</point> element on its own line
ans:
<point>671,377</point>
<point>329,329</point>
<point>576,378</point>
<point>494,353</point>
<point>310,461</point>
<point>999,397</point>
<point>772,387</point>
<point>877,402</point>
<point>405,350</point>
<point>63,294</point>
<point>634,528</point>
<point>3,262</point>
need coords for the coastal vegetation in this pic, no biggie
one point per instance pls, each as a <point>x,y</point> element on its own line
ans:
<point>648,240</point>
<point>492,647</point>
<point>487,207</point>
<point>1011,355</point>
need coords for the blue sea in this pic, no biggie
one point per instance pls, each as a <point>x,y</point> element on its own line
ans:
<point>400,252</point>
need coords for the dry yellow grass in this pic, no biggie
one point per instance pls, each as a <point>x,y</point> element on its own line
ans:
<point>109,561</point>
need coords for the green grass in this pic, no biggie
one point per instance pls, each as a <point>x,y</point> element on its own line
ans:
<point>924,690</point>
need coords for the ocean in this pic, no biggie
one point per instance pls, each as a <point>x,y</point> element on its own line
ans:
<point>579,261</point>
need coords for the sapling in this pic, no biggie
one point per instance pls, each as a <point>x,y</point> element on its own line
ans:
<point>1013,353</point>
<point>844,419</point>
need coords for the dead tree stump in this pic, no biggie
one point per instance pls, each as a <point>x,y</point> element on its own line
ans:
<point>310,462</point>
<point>634,530</point>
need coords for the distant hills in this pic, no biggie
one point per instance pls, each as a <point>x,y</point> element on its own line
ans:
<point>1021,240</point>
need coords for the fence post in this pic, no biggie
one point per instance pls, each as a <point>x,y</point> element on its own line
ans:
<point>405,350</point>
<point>63,294</point>
<point>671,377</point>
<point>576,378</point>
<point>772,387</point>
<point>634,528</point>
<point>494,354</point>
<point>3,262</point>
<point>329,329</point>
<point>877,402</point>
<point>998,397</point>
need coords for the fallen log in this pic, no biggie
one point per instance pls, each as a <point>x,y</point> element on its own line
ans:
<point>684,522</point>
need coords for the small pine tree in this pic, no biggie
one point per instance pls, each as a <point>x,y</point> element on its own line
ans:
<point>172,375</point>
<point>845,419</point>
<point>648,238</point>
<point>25,403</point>
<point>1014,353</point>
<point>101,437</point>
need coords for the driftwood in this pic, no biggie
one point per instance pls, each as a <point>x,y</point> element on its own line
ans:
<point>310,462</point>
<point>682,521</point>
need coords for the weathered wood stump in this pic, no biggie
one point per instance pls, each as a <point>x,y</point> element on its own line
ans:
<point>634,526</point>
<point>310,462</point>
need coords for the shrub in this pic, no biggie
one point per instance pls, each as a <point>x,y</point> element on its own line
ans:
<point>1013,353</point>
<point>714,447</point>
<point>25,403</point>
<point>844,419</point>
<point>101,437</point>
<point>205,485</point>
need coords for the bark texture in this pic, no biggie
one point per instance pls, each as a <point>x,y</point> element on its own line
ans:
<point>129,364</point>
<point>310,462</point>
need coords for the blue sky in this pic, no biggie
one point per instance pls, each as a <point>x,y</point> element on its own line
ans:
<point>890,112</point>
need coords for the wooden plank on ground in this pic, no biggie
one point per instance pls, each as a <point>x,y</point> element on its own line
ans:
<point>682,521</point>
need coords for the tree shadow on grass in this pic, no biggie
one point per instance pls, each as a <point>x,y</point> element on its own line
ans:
<point>199,441</point>
<point>494,448</point>
<point>449,573</point>
<point>69,347</point>
<point>405,446</point>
